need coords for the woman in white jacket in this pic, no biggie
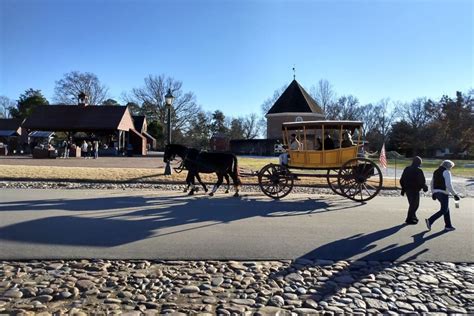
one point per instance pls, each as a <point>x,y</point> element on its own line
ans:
<point>441,186</point>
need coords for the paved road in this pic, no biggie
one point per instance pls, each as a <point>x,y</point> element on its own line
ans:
<point>164,225</point>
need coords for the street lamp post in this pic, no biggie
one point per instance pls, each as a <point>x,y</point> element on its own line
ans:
<point>168,101</point>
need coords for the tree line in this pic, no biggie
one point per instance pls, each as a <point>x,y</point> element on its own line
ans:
<point>419,127</point>
<point>191,125</point>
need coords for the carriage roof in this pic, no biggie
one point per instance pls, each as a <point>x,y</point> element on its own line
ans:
<point>328,124</point>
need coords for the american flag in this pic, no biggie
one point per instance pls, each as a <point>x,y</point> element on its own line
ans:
<point>383,158</point>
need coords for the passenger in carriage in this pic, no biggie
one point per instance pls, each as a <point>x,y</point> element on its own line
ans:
<point>319,144</point>
<point>294,145</point>
<point>328,142</point>
<point>347,140</point>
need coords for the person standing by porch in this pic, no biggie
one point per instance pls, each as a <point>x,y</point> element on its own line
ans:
<point>84,149</point>
<point>412,182</point>
<point>96,149</point>
<point>89,150</point>
<point>67,149</point>
<point>64,146</point>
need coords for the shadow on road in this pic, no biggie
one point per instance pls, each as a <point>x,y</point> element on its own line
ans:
<point>355,271</point>
<point>113,221</point>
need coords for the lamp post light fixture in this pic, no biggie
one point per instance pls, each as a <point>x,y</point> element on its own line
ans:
<point>168,102</point>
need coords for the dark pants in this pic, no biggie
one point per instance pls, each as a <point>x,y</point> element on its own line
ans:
<point>413,204</point>
<point>444,210</point>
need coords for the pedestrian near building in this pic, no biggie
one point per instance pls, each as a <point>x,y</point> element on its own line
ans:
<point>441,186</point>
<point>96,149</point>
<point>65,149</point>
<point>84,149</point>
<point>89,150</point>
<point>412,182</point>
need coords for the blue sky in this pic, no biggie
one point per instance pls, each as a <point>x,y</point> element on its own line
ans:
<point>234,54</point>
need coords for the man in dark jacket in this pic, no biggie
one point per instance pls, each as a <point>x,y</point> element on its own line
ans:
<point>412,181</point>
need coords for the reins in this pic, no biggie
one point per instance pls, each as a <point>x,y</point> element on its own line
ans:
<point>180,168</point>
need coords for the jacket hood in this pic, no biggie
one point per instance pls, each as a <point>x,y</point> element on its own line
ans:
<point>448,164</point>
<point>416,162</point>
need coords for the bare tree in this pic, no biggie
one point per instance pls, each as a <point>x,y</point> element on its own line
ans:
<point>346,108</point>
<point>416,113</point>
<point>152,98</point>
<point>369,115</point>
<point>251,126</point>
<point>386,117</point>
<point>5,105</point>
<point>68,88</point>
<point>323,94</point>
<point>268,103</point>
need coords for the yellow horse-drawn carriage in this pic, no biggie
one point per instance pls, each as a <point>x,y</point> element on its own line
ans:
<point>325,149</point>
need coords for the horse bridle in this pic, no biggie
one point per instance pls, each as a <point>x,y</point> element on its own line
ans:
<point>180,168</point>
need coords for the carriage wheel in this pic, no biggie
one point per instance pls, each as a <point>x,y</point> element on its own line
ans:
<point>360,179</point>
<point>333,181</point>
<point>275,181</point>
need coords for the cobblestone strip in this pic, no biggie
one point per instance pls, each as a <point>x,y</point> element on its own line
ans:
<point>229,287</point>
<point>150,186</point>
<point>467,191</point>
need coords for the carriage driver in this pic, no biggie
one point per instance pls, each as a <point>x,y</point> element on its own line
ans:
<point>294,145</point>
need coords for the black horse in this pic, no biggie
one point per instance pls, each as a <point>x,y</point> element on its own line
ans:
<point>195,161</point>
<point>188,155</point>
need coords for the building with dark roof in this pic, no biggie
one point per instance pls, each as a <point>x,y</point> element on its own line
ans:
<point>141,125</point>
<point>13,135</point>
<point>295,104</point>
<point>10,127</point>
<point>110,122</point>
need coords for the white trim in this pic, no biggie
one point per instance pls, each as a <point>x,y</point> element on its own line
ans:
<point>294,114</point>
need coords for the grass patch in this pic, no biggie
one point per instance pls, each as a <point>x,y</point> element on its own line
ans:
<point>430,165</point>
<point>255,164</point>
<point>136,175</point>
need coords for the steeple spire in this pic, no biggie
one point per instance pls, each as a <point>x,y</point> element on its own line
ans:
<point>294,73</point>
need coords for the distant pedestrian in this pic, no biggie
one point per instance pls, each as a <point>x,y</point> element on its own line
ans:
<point>412,182</point>
<point>129,150</point>
<point>84,149</point>
<point>89,150</point>
<point>441,186</point>
<point>64,146</point>
<point>96,149</point>
<point>67,148</point>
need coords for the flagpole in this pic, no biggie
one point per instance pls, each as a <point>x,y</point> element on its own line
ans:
<point>396,172</point>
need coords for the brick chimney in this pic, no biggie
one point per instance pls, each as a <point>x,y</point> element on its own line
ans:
<point>83,99</point>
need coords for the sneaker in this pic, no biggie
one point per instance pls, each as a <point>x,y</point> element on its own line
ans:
<point>428,225</point>
<point>449,229</point>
